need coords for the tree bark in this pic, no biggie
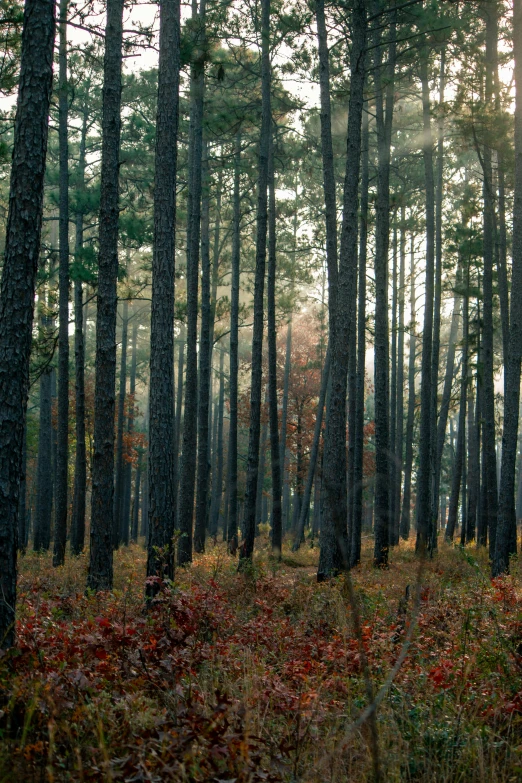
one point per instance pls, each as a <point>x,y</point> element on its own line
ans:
<point>482,528</point>
<point>458,466</point>
<point>334,539</point>
<point>424,481</point>
<point>261,470</point>
<point>217,479</point>
<point>501,233</point>
<point>488,389</point>
<point>314,453</point>
<point>473,467</point>
<point>351,412</point>
<point>162,498</point>
<point>382,218</point>
<point>519,490</point>
<point>60,532</point>
<point>127,465</point>
<point>205,353</point>
<point>358,468</point>
<point>330,554</point>
<point>399,437</point>
<point>215,258</point>
<point>410,420</point>
<point>437,303</point>
<point>117,537</point>
<point>54,440</point>
<point>464,486</point>
<point>506,532</point>
<point>247,547</point>
<point>448,384</point>
<point>145,505</point>
<point>44,485</point>
<point>22,506</point>
<point>189,458</point>
<point>503,287</point>
<point>232,526</point>
<point>277,527</point>
<point>100,565</point>
<point>330,201</point>
<point>22,247</point>
<point>80,464</point>
<point>179,406</point>
<point>136,503</point>
<point>393,389</point>
<point>284,401</point>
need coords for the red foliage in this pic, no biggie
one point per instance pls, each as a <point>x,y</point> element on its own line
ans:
<point>146,676</point>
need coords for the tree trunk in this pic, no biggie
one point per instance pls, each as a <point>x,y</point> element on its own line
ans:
<point>488,389</point>
<point>215,260</point>
<point>410,421</point>
<point>399,436</point>
<point>127,465</point>
<point>259,284</point>
<point>22,508</point>
<point>351,413</point>
<point>60,532</point>
<point>382,216</point>
<point>334,540</point>
<point>501,233</point>
<point>136,505</point>
<point>464,503</point>
<point>217,479</point>
<point>393,388</point>
<point>179,405</point>
<point>330,201</point>
<point>298,498</point>
<point>100,565</point>
<point>314,452</point>
<point>519,490</point>
<point>212,445</point>
<point>358,469</point>
<point>44,483</point>
<point>506,532</point>
<point>330,554</point>
<point>458,466</point>
<point>145,505</point>
<point>277,528</point>
<point>316,522</point>
<point>118,484</point>
<point>284,402</point>
<point>424,481</point>
<point>162,498</point>
<point>204,369</point>
<point>226,512</point>
<point>54,443</point>
<point>189,459</point>
<point>437,303</point>
<point>22,247</point>
<point>473,467</point>
<point>503,287</point>
<point>482,534</point>
<point>232,526</point>
<point>80,464</point>
<point>261,471</point>
<point>448,384</point>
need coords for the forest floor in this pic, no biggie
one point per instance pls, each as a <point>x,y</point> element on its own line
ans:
<point>260,677</point>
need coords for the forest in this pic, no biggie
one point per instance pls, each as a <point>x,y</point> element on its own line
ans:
<point>260,369</point>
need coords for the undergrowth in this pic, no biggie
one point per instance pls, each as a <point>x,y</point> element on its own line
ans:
<point>257,677</point>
